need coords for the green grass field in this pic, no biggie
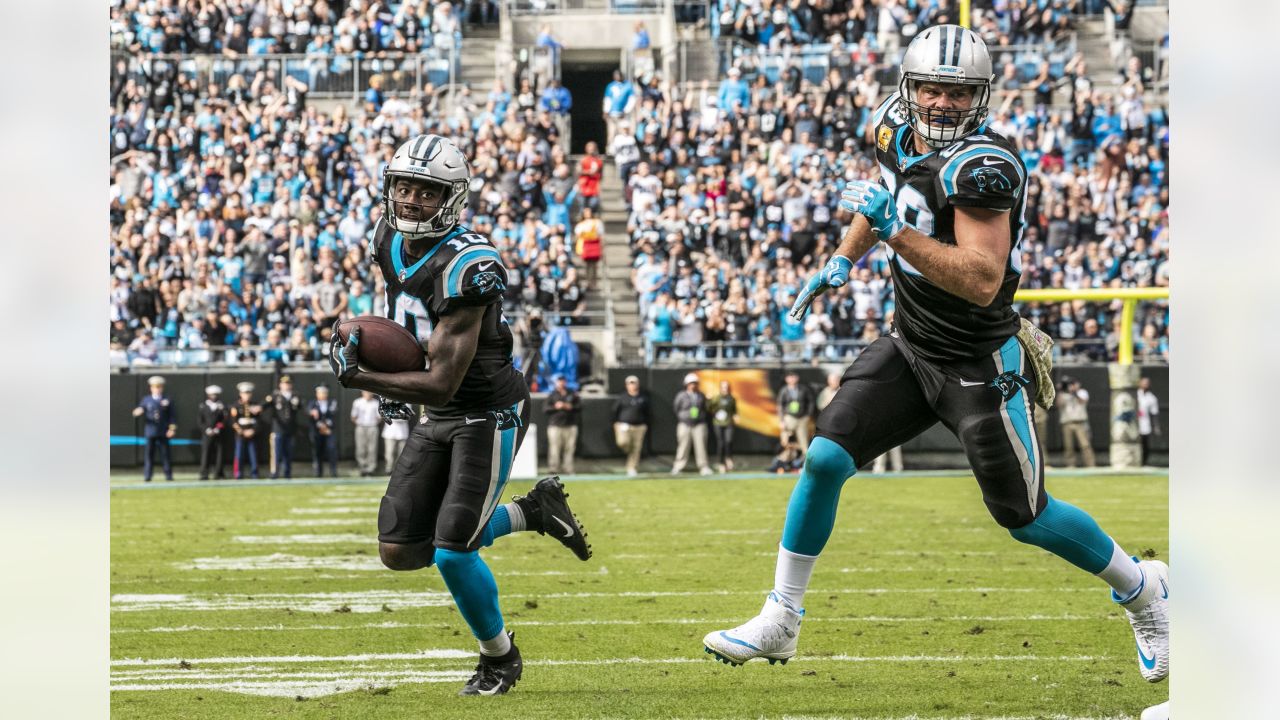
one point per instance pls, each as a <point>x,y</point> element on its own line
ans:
<point>269,601</point>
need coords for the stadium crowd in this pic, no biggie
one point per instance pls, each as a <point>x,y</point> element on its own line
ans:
<point>732,194</point>
<point>235,28</point>
<point>241,216</point>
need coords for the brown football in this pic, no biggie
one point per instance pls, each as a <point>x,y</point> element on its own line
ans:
<point>385,346</point>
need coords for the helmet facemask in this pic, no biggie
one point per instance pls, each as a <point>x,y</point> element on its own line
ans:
<point>406,211</point>
<point>942,127</point>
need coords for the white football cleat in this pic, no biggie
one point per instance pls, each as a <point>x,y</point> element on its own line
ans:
<point>1148,612</point>
<point>771,635</point>
<point>1157,712</point>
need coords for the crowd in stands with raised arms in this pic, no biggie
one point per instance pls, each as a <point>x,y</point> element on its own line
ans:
<point>237,28</point>
<point>241,216</point>
<point>732,195</point>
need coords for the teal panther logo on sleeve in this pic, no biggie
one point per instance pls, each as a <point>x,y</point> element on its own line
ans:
<point>990,179</point>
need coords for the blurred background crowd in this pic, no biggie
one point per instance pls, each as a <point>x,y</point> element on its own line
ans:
<point>241,213</point>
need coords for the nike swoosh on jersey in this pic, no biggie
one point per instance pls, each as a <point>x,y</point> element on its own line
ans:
<point>984,162</point>
<point>969,383</point>
<point>471,421</point>
<point>485,266</point>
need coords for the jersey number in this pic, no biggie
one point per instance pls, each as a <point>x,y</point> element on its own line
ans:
<point>912,206</point>
<point>412,314</point>
<point>462,242</point>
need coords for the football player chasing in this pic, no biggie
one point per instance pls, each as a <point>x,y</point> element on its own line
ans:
<point>444,284</point>
<point>949,206</point>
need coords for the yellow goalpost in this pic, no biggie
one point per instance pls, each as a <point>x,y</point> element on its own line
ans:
<point>1123,374</point>
<point>1130,296</point>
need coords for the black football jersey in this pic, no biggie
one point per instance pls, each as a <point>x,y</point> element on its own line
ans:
<point>981,170</point>
<point>463,269</point>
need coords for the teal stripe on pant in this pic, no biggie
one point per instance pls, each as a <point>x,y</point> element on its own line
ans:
<point>811,514</point>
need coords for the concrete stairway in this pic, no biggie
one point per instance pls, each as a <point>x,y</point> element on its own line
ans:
<point>1094,43</point>
<point>617,269</point>
<point>476,59</point>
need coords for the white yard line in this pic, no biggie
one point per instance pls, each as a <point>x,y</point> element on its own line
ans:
<point>307,539</point>
<point>333,510</point>
<point>366,563</point>
<point>345,499</point>
<point>372,600</point>
<point>434,654</point>
<point>169,664</point>
<point>317,522</point>
<point>295,688</point>
<point>392,625</point>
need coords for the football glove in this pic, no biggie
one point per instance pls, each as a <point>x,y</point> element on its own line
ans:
<point>833,275</point>
<point>873,202</point>
<point>390,410</point>
<point>342,356</point>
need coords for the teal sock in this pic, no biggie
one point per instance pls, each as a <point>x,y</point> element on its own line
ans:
<point>811,513</point>
<point>1070,533</point>
<point>474,590</point>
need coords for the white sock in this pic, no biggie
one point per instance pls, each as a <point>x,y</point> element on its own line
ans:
<point>496,646</point>
<point>1122,573</point>
<point>791,577</point>
<point>516,516</point>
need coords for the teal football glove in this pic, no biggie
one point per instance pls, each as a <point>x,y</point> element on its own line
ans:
<point>873,202</point>
<point>834,274</point>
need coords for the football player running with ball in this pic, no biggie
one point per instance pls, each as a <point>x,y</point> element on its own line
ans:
<point>949,206</point>
<point>444,284</point>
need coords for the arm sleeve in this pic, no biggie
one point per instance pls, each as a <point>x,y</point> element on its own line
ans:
<point>475,276</point>
<point>986,177</point>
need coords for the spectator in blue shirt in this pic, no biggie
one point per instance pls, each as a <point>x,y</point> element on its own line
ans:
<point>558,204</point>
<point>734,95</point>
<point>619,101</point>
<point>556,99</point>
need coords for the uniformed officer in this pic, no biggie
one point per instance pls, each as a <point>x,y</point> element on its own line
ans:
<point>244,421</point>
<point>324,438</point>
<point>158,426</point>
<point>213,420</point>
<point>284,407</point>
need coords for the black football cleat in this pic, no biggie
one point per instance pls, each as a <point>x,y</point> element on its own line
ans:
<point>496,675</point>
<point>546,509</point>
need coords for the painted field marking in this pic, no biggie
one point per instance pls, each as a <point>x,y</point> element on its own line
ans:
<point>307,539</point>
<point>315,522</point>
<point>392,625</point>
<point>169,664</point>
<point>373,600</point>
<point>366,563</point>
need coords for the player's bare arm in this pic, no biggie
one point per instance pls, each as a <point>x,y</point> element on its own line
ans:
<point>858,239</point>
<point>973,268</point>
<point>450,350</point>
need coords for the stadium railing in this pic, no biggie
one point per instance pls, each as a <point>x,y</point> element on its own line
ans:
<point>814,59</point>
<point>732,354</point>
<point>1066,352</point>
<point>555,7</point>
<point>326,76</point>
<point>169,354</point>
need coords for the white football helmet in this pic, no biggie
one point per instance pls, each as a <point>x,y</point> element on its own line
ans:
<point>953,55</point>
<point>434,160</point>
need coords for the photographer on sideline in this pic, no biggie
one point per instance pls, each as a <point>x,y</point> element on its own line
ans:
<point>1073,416</point>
